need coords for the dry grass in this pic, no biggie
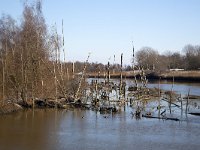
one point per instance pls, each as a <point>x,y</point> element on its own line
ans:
<point>170,74</point>
<point>116,74</point>
<point>192,74</point>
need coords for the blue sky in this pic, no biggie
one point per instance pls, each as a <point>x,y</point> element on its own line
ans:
<point>107,27</point>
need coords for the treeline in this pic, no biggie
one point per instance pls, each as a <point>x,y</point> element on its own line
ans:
<point>187,59</point>
<point>94,67</point>
<point>150,59</point>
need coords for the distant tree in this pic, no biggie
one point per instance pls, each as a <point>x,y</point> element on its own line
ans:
<point>163,63</point>
<point>176,61</point>
<point>147,58</point>
<point>192,57</point>
<point>128,68</point>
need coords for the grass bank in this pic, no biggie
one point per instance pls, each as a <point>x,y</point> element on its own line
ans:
<point>170,75</point>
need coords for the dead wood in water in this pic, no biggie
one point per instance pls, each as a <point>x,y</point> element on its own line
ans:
<point>196,114</point>
<point>165,118</point>
<point>192,97</point>
<point>172,103</point>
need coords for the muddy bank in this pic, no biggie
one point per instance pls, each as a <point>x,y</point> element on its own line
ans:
<point>10,106</point>
<point>63,103</point>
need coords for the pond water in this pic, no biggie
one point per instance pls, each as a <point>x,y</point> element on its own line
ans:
<point>51,129</point>
<point>178,87</point>
<point>86,129</point>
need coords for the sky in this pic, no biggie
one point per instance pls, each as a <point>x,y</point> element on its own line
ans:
<point>106,28</point>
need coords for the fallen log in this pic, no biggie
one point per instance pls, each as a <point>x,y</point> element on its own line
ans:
<point>196,114</point>
<point>192,97</point>
<point>166,118</point>
<point>171,103</point>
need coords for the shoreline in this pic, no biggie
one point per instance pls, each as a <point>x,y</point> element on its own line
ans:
<point>179,76</point>
<point>10,106</point>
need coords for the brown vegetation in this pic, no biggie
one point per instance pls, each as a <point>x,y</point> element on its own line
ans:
<point>30,62</point>
<point>189,74</point>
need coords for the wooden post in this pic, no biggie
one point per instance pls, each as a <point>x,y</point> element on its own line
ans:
<point>131,101</point>
<point>133,66</point>
<point>187,102</point>
<point>124,91</point>
<point>120,89</point>
<point>98,75</point>
<point>133,62</point>
<point>159,98</point>
<point>170,100</point>
<point>105,75</point>
<point>63,42</point>
<point>114,66</point>
<point>181,105</point>
<point>73,70</point>
<point>108,69</point>
<point>96,90</point>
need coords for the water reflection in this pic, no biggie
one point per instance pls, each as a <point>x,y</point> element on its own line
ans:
<point>21,130</point>
<point>80,129</point>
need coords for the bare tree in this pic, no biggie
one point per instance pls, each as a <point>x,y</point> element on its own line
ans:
<point>147,58</point>
<point>192,57</point>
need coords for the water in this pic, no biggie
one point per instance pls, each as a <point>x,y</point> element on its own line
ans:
<point>179,87</point>
<point>85,129</point>
<point>50,129</point>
